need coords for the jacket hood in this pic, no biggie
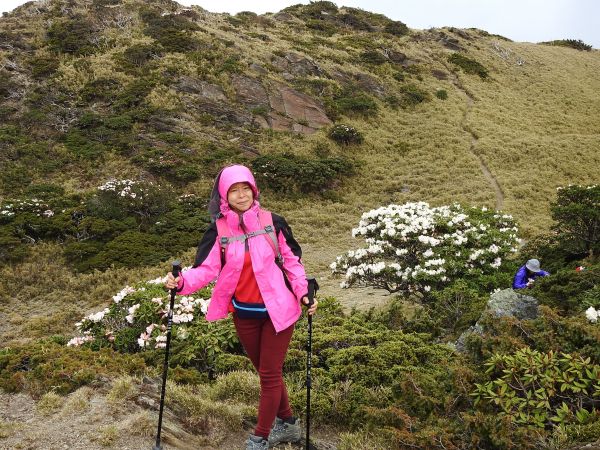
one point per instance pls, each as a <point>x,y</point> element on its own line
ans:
<point>226,178</point>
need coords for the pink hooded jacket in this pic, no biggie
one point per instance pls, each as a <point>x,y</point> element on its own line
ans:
<point>282,304</point>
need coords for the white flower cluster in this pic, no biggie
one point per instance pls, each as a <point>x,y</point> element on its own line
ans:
<point>123,293</point>
<point>123,188</point>
<point>97,317</point>
<point>424,246</point>
<point>33,205</point>
<point>80,340</point>
<point>592,314</point>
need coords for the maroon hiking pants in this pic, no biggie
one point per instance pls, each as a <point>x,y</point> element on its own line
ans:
<point>266,349</point>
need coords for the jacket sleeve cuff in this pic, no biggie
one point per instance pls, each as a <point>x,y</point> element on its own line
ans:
<point>180,285</point>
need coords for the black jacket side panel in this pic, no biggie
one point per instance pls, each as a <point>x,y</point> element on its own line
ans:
<point>282,226</point>
<point>206,244</point>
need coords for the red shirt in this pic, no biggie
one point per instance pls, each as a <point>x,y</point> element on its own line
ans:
<point>247,290</point>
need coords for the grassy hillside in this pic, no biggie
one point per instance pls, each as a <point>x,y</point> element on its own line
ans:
<point>162,95</point>
<point>100,90</point>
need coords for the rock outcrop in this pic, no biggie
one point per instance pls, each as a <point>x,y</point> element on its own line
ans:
<point>505,303</point>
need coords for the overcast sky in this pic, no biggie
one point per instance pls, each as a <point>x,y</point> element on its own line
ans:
<point>519,20</point>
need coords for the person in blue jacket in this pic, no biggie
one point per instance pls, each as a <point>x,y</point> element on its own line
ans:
<point>527,274</point>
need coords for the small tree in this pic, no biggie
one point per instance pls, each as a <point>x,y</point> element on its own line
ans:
<point>577,213</point>
<point>416,248</point>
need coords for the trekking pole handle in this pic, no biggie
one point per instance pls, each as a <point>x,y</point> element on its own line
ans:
<point>176,268</point>
<point>313,287</point>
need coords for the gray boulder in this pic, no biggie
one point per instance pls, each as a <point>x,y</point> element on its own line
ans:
<point>505,303</point>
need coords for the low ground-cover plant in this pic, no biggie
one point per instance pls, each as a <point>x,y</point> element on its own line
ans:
<point>48,365</point>
<point>414,248</point>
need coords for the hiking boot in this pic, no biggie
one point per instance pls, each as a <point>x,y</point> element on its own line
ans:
<point>285,432</point>
<point>256,443</point>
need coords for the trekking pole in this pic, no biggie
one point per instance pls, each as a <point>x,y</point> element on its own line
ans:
<point>176,271</point>
<point>313,287</point>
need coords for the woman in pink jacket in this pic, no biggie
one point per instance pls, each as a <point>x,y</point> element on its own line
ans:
<point>262,291</point>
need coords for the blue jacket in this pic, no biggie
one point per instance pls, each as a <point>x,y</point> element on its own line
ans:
<point>521,278</point>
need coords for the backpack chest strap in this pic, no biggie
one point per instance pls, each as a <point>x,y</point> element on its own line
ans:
<point>243,237</point>
<point>266,219</point>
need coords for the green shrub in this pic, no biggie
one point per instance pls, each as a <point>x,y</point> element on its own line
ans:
<point>468,65</point>
<point>290,173</point>
<point>457,306</point>
<point>71,36</point>
<point>345,134</point>
<point>577,44</point>
<point>577,213</point>
<point>326,28</point>
<point>230,64</point>
<point>373,57</point>
<point>118,198</point>
<point>12,249</point>
<point>353,104</point>
<point>570,291</point>
<point>81,147</point>
<point>7,84</point>
<point>134,94</point>
<point>412,95</point>
<point>172,31</point>
<point>314,10</point>
<point>139,55</point>
<point>43,66</point>
<point>353,20</point>
<point>396,28</point>
<point>100,89</point>
<point>442,94</point>
<point>132,249</point>
<point>399,76</point>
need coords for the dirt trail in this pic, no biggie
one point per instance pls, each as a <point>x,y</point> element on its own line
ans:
<point>93,423</point>
<point>470,99</point>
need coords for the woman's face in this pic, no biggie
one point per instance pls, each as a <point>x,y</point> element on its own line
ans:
<point>240,197</point>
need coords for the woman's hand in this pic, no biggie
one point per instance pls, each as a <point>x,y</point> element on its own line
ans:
<point>313,307</point>
<point>172,282</point>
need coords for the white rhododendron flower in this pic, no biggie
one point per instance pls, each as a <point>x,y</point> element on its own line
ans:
<point>123,293</point>
<point>79,340</point>
<point>592,314</point>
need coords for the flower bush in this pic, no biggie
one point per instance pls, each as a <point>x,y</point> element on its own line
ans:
<point>145,200</point>
<point>417,248</point>
<point>136,320</point>
<point>345,134</point>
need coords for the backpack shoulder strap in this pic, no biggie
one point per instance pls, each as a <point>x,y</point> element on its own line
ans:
<point>266,220</point>
<point>223,233</point>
